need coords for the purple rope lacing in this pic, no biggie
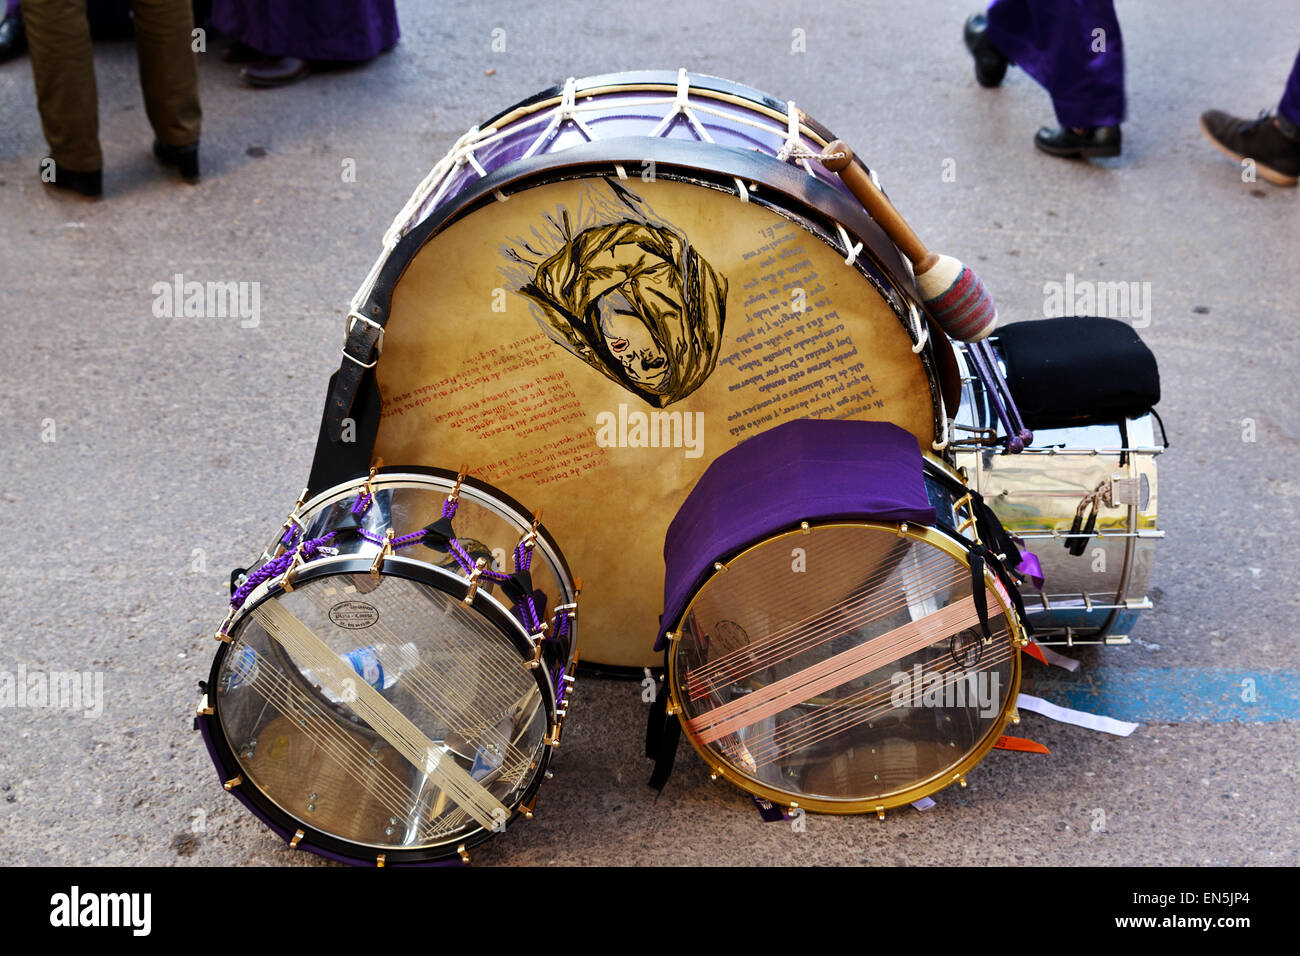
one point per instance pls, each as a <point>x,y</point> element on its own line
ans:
<point>276,567</point>
<point>523,559</point>
<point>561,687</point>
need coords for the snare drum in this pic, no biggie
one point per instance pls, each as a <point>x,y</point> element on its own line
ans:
<point>393,678</point>
<point>607,286</point>
<point>834,640</point>
<point>1093,592</point>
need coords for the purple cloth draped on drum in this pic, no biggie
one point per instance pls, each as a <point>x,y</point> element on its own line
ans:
<point>1057,43</point>
<point>310,29</point>
<point>806,470</point>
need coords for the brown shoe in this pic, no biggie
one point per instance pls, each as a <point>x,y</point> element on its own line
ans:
<point>277,71</point>
<point>1272,142</point>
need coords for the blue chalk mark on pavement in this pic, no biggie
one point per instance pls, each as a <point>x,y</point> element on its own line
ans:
<point>1173,695</point>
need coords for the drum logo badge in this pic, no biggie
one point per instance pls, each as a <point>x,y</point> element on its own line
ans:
<point>354,615</point>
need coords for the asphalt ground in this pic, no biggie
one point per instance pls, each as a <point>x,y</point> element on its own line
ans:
<point>178,444</point>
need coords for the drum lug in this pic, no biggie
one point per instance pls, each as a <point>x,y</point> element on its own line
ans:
<point>527,808</point>
<point>286,582</point>
<point>296,839</point>
<point>233,782</point>
<point>1015,715</point>
<point>385,551</point>
<point>204,709</point>
<point>804,528</point>
<point>223,632</point>
<point>880,811</point>
<point>381,859</point>
<point>474,575</point>
<point>366,488</point>
<point>464,854</point>
<point>538,640</point>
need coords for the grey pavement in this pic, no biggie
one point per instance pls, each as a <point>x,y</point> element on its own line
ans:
<point>180,443</point>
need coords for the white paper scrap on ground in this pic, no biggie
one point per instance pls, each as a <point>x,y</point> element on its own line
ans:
<point>925,803</point>
<point>1060,660</point>
<point>1107,725</point>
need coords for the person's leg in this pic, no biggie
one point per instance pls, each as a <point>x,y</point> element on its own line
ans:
<point>169,73</point>
<point>1290,105</point>
<point>1074,50</point>
<point>63,68</point>
<point>1269,144</point>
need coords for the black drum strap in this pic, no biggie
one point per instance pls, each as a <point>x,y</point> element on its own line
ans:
<point>1000,552</point>
<point>978,591</point>
<point>349,457</point>
<point>662,735</point>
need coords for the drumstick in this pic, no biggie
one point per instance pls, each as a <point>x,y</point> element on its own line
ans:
<point>952,293</point>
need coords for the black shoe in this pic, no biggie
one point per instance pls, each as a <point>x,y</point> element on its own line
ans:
<point>90,183</point>
<point>1273,142</point>
<point>990,65</point>
<point>184,158</point>
<point>13,38</point>
<point>1077,144</point>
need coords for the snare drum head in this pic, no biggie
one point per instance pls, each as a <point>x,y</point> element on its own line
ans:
<point>852,677</point>
<point>380,714</point>
<point>591,343</point>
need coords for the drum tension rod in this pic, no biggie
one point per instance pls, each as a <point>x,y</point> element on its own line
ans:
<point>527,808</point>
<point>474,576</point>
<point>539,640</point>
<point>384,552</point>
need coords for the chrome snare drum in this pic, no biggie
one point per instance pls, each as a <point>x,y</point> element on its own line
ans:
<point>394,676</point>
<point>1083,499</point>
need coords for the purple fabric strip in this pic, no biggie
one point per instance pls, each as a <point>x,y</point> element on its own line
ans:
<point>1030,567</point>
<point>801,471</point>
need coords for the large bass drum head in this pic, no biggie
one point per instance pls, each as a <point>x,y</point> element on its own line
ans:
<point>590,343</point>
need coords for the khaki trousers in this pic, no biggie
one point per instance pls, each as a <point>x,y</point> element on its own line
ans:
<point>58,37</point>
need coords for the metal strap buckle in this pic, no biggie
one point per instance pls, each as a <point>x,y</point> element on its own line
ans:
<point>353,318</point>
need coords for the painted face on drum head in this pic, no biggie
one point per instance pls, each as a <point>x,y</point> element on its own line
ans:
<point>630,343</point>
<point>625,292</point>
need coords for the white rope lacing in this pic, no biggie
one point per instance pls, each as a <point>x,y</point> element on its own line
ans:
<point>851,247</point>
<point>432,189</point>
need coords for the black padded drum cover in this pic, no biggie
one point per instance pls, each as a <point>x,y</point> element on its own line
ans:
<point>1078,370</point>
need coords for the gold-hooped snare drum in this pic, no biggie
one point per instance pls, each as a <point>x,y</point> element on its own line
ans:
<point>1083,499</point>
<point>836,640</point>
<point>607,286</point>
<point>393,677</point>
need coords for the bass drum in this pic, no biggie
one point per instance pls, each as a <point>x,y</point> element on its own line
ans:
<point>1094,591</point>
<point>603,289</point>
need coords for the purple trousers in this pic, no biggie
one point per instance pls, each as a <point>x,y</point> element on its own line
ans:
<point>1290,105</point>
<point>1072,48</point>
<point>337,30</point>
